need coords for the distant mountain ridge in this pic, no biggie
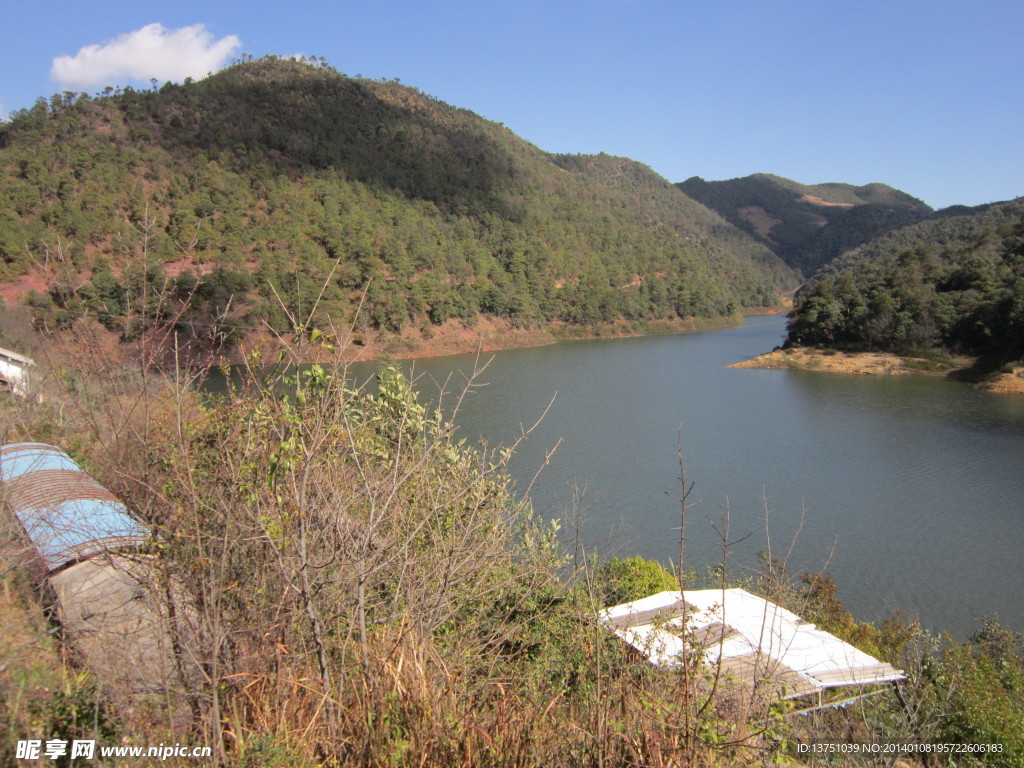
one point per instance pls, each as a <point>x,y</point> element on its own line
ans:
<point>807,225</point>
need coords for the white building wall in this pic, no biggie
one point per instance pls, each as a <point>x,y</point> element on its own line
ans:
<point>14,371</point>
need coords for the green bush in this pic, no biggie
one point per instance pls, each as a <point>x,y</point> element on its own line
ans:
<point>619,581</point>
<point>985,680</point>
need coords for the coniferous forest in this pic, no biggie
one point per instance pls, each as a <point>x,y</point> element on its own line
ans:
<point>274,183</point>
<point>952,284</point>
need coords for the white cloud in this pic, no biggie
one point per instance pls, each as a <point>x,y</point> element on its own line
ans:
<point>150,52</point>
<point>3,113</point>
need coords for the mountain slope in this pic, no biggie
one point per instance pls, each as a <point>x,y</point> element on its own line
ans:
<point>807,225</point>
<point>954,283</point>
<point>274,184</point>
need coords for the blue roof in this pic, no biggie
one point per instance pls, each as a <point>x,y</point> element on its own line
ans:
<point>67,515</point>
<point>17,459</point>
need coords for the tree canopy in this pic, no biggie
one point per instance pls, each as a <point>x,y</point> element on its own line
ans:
<point>952,284</point>
<point>274,183</point>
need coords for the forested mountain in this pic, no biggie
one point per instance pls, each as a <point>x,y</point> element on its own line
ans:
<point>954,283</point>
<point>807,225</point>
<point>251,193</point>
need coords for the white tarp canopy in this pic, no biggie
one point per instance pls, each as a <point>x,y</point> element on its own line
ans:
<point>752,641</point>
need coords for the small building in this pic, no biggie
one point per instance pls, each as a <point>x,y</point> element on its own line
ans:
<point>67,516</point>
<point>14,371</point>
<point>117,607</point>
<point>750,640</point>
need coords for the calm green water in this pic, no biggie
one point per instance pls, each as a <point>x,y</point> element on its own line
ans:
<point>910,491</point>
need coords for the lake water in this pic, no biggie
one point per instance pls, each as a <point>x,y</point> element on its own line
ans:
<point>910,491</point>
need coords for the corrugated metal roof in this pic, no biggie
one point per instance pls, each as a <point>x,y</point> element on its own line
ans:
<point>17,459</point>
<point>23,359</point>
<point>751,638</point>
<point>67,515</point>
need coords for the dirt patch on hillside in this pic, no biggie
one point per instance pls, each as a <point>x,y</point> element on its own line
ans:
<point>815,200</point>
<point>757,217</point>
<point>454,337</point>
<point>490,335</point>
<point>15,291</point>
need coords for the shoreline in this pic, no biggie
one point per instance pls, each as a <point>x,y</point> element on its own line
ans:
<point>487,335</point>
<point>879,364</point>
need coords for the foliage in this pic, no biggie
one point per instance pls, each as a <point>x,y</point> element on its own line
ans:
<point>955,285</point>
<point>620,581</point>
<point>361,587</point>
<point>272,178</point>
<point>970,693</point>
<point>366,590</point>
<point>986,679</point>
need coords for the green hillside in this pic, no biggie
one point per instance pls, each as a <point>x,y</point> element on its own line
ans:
<point>954,283</point>
<point>807,225</point>
<point>261,188</point>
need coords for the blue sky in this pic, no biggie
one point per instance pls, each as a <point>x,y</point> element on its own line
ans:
<point>925,96</point>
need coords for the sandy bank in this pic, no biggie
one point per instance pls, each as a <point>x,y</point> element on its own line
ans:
<point>877,363</point>
<point>1007,382</point>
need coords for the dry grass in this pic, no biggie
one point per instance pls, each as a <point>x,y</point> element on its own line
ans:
<point>861,363</point>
